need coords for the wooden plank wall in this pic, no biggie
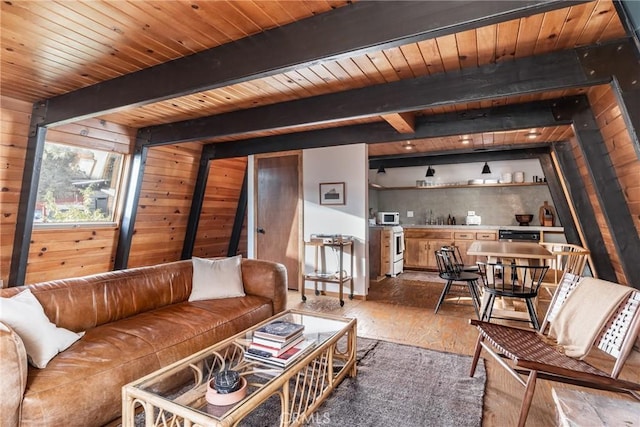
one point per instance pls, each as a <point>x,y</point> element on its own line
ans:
<point>224,185</point>
<point>69,251</point>
<point>14,131</point>
<point>625,161</point>
<point>169,179</point>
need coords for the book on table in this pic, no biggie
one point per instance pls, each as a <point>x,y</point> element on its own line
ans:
<point>276,348</point>
<point>279,330</point>
<point>283,360</point>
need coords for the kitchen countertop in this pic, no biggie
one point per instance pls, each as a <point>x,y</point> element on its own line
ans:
<point>486,227</point>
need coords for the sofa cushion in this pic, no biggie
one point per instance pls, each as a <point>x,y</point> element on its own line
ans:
<point>216,278</point>
<point>42,339</point>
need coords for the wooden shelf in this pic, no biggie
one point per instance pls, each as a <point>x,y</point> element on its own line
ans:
<point>432,187</point>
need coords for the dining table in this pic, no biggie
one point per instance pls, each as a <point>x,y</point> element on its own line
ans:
<point>521,253</point>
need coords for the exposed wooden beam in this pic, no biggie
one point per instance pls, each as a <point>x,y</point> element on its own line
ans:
<point>28,198</point>
<point>455,157</point>
<point>585,214</point>
<point>402,122</point>
<point>622,61</point>
<point>508,117</point>
<point>197,201</point>
<point>608,191</point>
<point>559,199</point>
<point>241,213</point>
<point>354,29</point>
<point>541,73</point>
<point>130,209</point>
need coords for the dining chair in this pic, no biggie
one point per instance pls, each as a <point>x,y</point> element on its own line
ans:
<point>451,272</point>
<point>531,355</point>
<point>568,258</point>
<point>511,281</point>
<point>454,252</point>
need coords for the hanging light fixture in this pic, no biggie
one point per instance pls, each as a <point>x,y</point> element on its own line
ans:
<point>381,170</point>
<point>485,168</point>
<point>430,172</point>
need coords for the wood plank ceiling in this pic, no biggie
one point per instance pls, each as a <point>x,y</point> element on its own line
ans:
<point>54,47</point>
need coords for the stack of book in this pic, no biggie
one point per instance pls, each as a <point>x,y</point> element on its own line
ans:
<point>278,343</point>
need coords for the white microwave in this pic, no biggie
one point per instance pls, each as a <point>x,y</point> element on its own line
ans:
<point>388,218</point>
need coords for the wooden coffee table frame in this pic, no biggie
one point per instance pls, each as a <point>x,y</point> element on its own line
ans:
<point>301,387</point>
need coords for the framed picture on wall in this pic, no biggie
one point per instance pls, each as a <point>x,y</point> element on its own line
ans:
<point>332,193</point>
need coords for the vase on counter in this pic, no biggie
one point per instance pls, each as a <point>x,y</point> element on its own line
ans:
<point>547,215</point>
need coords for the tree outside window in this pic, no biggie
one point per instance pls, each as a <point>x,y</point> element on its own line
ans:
<point>77,184</point>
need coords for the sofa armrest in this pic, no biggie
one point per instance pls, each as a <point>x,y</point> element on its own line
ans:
<point>267,279</point>
<point>13,371</point>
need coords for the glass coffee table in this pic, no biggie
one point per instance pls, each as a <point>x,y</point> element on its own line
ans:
<point>300,387</point>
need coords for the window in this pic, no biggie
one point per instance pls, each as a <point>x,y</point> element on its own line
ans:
<point>77,185</point>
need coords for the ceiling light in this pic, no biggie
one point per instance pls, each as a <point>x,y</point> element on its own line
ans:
<point>465,139</point>
<point>485,168</point>
<point>533,134</point>
<point>381,169</point>
<point>409,145</point>
<point>430,171</point>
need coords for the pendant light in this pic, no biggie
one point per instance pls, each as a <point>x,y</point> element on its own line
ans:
<point>381,170</point>
<point>430,172</point>
<point>485,168</point>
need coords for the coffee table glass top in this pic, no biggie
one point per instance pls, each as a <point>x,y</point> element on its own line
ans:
<point>196,372</point>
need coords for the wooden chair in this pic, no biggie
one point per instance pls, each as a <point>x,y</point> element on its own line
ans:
<point>454,252</point>
<point>451,272</point>
<point>529,355</point>
<point>568,259</point>
<point>511,281</point>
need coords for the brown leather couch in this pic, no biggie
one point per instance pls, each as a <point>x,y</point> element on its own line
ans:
<point>136,321</point>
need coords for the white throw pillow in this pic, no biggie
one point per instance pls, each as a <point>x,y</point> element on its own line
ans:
<point>42,339</point>
<point>216,278</point>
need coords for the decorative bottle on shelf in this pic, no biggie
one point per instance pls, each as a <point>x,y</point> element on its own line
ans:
<point>449,221</point>
<point>547,215</point>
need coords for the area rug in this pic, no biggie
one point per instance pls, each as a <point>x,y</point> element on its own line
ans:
<point>395,385</point>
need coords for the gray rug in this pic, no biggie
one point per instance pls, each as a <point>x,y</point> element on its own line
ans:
<point>395,385</point>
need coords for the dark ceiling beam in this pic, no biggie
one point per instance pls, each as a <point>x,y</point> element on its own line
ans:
<point>584,213</point>
<point>354,29</point>
<point>502,118</point>
<point>541,73</point>
<point>457,156</point>
<point>607,188</point>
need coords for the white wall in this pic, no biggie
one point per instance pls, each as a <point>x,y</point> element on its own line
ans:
<point>346,164</point>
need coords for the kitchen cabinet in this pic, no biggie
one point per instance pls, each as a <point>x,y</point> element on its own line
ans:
<point>420,247</point>
<point>421,244</point>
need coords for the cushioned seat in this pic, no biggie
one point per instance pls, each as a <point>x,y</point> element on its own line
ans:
<point>136,322</point>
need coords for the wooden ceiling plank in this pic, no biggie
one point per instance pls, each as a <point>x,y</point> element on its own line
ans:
<point>431,55</point>
<point>364,63</point>
<point>552,24</point>
<point>467,48</point>
<point>528,35</point>
<point>356,75</point>
<point>486,38</point>
<point>396,58</point>
<point>448,48</point>
<point>579,16</point>
<point>359,27</point>
<point>506,40</point>
<point>598,21</point>
<point>415,60</point>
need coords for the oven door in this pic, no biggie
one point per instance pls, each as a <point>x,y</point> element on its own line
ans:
<point>397,246</point>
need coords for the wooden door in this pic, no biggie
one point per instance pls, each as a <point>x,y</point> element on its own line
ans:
<point>278,235</point>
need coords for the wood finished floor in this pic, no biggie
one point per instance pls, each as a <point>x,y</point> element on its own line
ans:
<point>401,310</point>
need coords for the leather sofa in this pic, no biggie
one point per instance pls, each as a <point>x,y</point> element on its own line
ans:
<point>135,321</point>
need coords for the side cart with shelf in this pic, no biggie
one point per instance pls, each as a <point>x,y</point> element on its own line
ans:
<point>337,243</point>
